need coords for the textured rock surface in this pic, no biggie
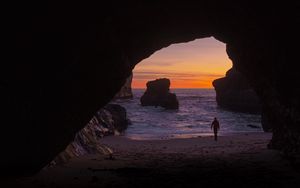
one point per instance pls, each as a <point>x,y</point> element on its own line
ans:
<point>62,61</point>
<point>158,94</point>
<point>233,92</point>
<point>126,90</point>
<point>109,120</point>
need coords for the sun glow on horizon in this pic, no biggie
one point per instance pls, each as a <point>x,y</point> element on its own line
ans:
<point>188,65</point>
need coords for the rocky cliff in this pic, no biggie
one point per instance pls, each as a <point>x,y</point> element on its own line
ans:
<point>109,120</point>
<point>234,92</point>
<point>158,94</point>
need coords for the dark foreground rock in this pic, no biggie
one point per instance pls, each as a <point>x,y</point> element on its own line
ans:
<point>109,120</point>
<point>158,94</point>
<point>233,92</point>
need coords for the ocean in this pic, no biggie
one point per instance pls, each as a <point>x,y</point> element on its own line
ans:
<point>197,109</point>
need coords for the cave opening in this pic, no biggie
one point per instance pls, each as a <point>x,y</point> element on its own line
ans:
<point>191,68</point>
<point>164,142</point>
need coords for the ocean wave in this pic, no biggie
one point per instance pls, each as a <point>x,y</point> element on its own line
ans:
<point>196,111</point>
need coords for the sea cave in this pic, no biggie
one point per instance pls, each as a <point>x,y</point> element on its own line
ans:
<point>63,61</point>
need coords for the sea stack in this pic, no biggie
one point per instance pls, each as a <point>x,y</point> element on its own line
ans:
<point>235,93</point>
<point>158,94</point>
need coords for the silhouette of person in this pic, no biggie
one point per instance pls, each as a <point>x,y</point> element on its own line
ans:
<point>216,126</point>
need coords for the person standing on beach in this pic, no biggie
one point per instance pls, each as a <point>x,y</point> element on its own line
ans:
<point>216,126</point>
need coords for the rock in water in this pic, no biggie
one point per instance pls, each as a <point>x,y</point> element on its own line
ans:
<point>234,93</point>
<point>158,94</point>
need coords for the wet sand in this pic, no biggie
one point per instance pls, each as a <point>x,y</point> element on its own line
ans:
<point>235,160</point>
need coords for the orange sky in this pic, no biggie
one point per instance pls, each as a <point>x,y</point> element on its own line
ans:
<point>188,65</point>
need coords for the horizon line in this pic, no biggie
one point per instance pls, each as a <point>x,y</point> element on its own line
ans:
<point>178,88</point>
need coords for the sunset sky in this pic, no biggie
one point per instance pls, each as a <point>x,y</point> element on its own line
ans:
<point>188,65</point>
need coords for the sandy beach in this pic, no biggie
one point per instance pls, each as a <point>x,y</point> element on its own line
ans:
<point>234,160</point>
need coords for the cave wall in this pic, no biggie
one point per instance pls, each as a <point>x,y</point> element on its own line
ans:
<point>56,52</point>
<point>126,90</point>
<point>109,120</point>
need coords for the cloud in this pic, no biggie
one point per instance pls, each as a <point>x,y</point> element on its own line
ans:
<point>160,62</point>
<point>183,63</point>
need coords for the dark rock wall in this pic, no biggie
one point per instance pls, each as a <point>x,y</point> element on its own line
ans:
<point>56,52</point>
<point>126,90</point>
<point>109,120</point>
<point>233,92</point>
